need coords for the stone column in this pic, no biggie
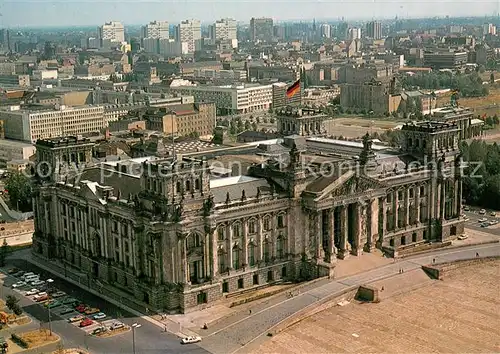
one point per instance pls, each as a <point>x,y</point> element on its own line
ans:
<point>245,242</point>
<point>456,201</point>
<point>384,222</point>
<point>344,244</point>
<point>182,264</point>
<point>259,239</point>
<point>230,246</point>
<point>417,203</point>
<point>214,252</point>
<point>372,224</point>
<point>358,237</point>
<point>396,209</point>
<point>274,235</point>
<point>332,250</point>
<point>320,253</point>
<point>442,210</point>
<point>407,207</point>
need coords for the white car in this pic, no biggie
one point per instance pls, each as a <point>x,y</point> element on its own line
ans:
<point>18,284</point>
<point>116,325</point>
<point>482,211</point>
<point>462,237</point>
<point>483,220</point>
<point>38,282</point>
<point>32,292</point>
<point>99,316</point>
<point>190,340</point>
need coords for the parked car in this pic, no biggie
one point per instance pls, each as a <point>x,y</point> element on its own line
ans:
<point>58,294</point>
<point>86,322</point>
<point>81,308</point>
<point>76,318</point>
<point>19,274</point>
<point>116,325</point>
<point>32,292</point>
<point>99,316</point>
<point>482,212</point>
<point>66,310</point>
<point>18,284</point>
<point>37,282</point>
<point>3,344</point>
<point>466,208</point>
<point>52,303</point>
<point>12,271</point>
<point>70,301</point>
<point>485,224</point>
<point>92,310</point>
<point>99,330</point>
<point>40,298</point>
<point>191,339</point>
<point>493,214</point>
<point>483,220</point>
<point>463,237</point>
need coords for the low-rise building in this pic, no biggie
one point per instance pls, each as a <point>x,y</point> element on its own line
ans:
<point>15,150</point>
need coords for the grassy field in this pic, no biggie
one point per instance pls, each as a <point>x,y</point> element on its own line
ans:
<point>481,105</point>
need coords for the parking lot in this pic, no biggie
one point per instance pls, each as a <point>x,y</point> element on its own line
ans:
<point>487,220</point>
<point>148,338</point>
<point>60,305</point>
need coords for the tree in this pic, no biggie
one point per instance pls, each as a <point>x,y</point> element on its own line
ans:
<point>248,125</point>
<point>4,250</point>
<point>254,126</point>
<point>12,304</point>
<point>271,120</point>
<point>19,189</point>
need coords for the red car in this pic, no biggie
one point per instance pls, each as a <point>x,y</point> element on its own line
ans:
<point>81,308</point>
<point>86,322</point>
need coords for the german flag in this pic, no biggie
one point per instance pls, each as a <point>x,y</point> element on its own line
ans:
<point>292,90</point>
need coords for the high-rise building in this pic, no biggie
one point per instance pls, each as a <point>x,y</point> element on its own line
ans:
<point>225,28</point>
<point>354,33</point>
<point>156,29</point>
<point>261,29</point>
<point>326,30</point>
<point>489,28</point>
<point>374,30</point>
<point>189,31</point>
<point>112,31</point>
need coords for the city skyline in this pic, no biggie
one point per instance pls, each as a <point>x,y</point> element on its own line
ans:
<point>82,13</point>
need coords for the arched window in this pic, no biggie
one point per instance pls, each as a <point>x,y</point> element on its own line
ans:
<point>267,223</point>
<point>410,142</point>
<point>236,230</point>
<point>178,187</point>
<point>236,257</point>
<point>188,186</point>
<point>221,258</point>
<point>252,226</point>
<point>197,184</point>
<point>221,233</point>
<point>193,241</point>
<point>251,254</point>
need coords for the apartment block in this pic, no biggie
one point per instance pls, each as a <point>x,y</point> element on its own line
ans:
<point>223,29</point>
<point>156,29</point>
<point>112,31</point>
<point>189,31</point>
<point>374,30</point>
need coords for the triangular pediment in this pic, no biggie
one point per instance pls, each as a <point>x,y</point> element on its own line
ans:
<point>349,184</point>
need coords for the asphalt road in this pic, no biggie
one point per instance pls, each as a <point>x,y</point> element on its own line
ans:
<point>473,222</point>
<point>148,338</point>
<point>252,328</point>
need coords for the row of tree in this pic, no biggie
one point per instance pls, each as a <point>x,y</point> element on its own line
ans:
<point>481,183</point>
<point>469,85</point>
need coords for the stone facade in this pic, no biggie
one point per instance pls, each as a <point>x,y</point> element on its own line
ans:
<point>174,240</point>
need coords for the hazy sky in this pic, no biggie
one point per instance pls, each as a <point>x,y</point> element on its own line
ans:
<point>92,12</point>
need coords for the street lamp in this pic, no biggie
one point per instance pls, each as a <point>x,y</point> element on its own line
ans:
<point>49,282</point>
<point>134,327</point>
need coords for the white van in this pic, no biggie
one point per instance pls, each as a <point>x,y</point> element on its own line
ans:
<point>31,278</point>
<point>25,275</point>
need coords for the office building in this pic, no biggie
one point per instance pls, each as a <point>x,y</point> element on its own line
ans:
<point>354,33</point>
<point>261,29</point>
<point>189,32</point>
<point>238,98</point>
<point>374,30</point>
<point>325,30</point>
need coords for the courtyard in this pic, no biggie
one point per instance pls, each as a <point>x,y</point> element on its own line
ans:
<point>459,314</point>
